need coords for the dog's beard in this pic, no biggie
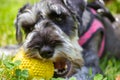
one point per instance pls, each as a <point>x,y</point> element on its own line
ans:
<point>70,54</point>
<point>67,51</point>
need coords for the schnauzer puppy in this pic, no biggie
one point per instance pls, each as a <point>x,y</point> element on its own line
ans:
<point>65,14</point>
<point>54,27</point>
<point>48,41</point>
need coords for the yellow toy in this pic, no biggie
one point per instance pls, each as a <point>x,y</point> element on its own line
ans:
<point>37,68</point>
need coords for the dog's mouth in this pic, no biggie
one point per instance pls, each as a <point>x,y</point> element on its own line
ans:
<point>62,67</point>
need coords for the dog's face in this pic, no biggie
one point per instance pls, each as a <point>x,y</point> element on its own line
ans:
<point>54,33</point>
<point>48,42</point>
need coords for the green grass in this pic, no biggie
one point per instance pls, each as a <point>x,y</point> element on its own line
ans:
<point>8,12</point>
<point>114,6</point>
<point>111,67</point>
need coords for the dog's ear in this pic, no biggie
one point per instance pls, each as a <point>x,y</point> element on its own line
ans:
<point>76,6</point>
<point>25,20</point>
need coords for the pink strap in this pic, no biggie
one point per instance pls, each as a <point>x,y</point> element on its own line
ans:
<point>93,11</point>
<point>94,27</point>
<point>102,47</point>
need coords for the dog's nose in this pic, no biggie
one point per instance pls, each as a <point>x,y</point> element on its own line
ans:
<point>46,52</point>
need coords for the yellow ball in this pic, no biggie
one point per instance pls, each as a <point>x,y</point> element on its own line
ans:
<point>37,68</point>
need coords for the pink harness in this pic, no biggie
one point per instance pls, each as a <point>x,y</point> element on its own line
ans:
<point>95,26</point>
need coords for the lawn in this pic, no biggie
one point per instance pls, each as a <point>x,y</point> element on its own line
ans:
<point>8,11</point>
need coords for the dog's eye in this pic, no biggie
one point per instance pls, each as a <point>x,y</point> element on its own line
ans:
<point>60,19</point>
<point>57,17</point>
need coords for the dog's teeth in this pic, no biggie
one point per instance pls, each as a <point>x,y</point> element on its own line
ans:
<point>60,73</point>
<point>66,66</point>
<point>56,70</point>
<point>64,71</point>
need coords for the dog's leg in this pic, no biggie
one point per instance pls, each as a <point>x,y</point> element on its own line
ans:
<point>8,51</point>
<point>112,38</point>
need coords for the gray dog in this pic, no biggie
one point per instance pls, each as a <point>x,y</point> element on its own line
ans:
<point>53,29</point>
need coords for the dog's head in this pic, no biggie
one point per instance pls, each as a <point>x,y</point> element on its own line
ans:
<point>64,13</point>
<point>48,42</point>
<point>53,28</point>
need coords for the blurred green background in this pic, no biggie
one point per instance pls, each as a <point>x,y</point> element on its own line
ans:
<point>8,12</point>
<point>113,5</point>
